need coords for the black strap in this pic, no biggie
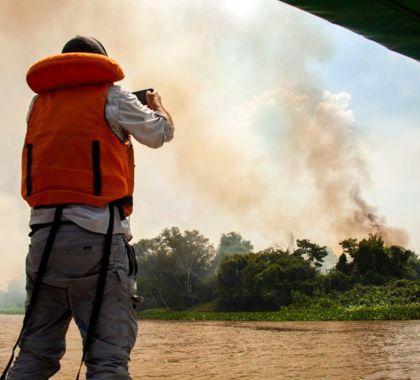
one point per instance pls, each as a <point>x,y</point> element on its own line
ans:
<point>99,288</point>
<point>28,170</point>
<point>120,203</point>
<point>96,167</point>
<point>37,283</point>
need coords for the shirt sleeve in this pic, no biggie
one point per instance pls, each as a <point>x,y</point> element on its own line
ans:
<point>126,114</point>
<point>30,108</point>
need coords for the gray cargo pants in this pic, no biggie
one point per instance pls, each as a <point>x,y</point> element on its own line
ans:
<point>68,291</point>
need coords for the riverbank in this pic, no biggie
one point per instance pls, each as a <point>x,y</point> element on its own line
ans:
<point>337,313</point>
<point>316,313</point>
<point>15,311</point>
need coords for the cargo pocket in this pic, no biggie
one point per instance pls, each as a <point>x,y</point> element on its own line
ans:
<point>117,324</point>
<point>29,287</point>
<point>33,259</point>
<point>132,275</point>
<point>129,288</point>
<point>132,262</point>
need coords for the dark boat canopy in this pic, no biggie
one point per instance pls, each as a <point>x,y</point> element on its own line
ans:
<point>393,24</point>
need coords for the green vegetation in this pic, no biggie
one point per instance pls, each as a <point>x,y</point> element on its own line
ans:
<point>176,270</point>
<point>16,311</point>
<point>183,277</point>
<point>12,300</point>
<point>231,244</point>
<point>398,312</point>
<point>264,281</point>
<point>398,300</point>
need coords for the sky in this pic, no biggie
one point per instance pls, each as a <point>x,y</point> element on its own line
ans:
<point>286,125</point>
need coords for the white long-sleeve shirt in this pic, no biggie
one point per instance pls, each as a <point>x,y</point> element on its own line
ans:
<point>125,114</point>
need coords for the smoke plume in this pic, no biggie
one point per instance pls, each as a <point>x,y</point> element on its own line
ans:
<point>302,171</point>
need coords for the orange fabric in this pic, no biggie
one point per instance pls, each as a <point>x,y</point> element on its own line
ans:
<point>72,69</point>
<point>63,124</point>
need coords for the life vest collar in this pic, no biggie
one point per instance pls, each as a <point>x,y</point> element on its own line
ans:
<point>72,69</point>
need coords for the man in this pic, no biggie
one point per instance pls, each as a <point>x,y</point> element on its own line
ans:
<point>78,177</point>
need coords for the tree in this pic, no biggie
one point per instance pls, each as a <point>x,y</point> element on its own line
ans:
<point>230,244</point>
<point>337,280</point>
<point>14,297</point>
<point>374,261</point>
<point>263,280</point>
<point>342,264</point>
<point>350,247</point>
<point>174,268</point>
<point>371,256</point>
<point>311,251</point>
<point>413,265</point>
<point>233,243</point>
<point>398,259</point>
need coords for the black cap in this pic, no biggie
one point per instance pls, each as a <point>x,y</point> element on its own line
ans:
<point>81,44</point>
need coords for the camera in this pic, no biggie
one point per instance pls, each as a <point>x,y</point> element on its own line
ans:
<point>141,95</point>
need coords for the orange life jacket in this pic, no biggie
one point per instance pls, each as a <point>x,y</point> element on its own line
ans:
<point>70,153</point>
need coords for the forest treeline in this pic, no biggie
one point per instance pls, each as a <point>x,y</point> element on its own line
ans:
<point>179,270</point>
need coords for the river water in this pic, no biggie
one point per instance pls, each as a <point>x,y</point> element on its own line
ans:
<point>257,350</point>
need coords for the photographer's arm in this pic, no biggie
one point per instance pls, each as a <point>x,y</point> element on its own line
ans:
<point>126,114</point>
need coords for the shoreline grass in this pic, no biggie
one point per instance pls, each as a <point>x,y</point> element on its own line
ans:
<point>312,313</point>
<point>14,311</point>
<point>336,313</point>
<point>321,311</point>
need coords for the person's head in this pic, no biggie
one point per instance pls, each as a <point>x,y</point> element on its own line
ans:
<point>82,44</point>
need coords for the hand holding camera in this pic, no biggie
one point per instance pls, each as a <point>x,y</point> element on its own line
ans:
<point>152,99</point>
